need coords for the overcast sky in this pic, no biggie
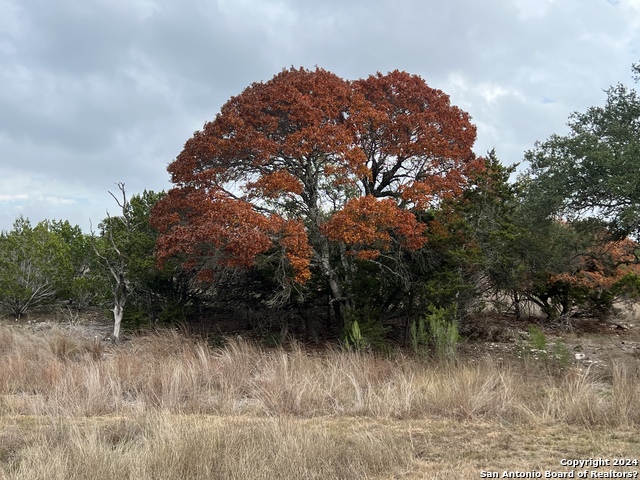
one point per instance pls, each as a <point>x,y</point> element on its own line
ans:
<point>94,92</point>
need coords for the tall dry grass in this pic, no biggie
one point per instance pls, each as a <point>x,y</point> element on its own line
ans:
<point>158,446</point>
<point>55,373</point>
<point>166,406</point>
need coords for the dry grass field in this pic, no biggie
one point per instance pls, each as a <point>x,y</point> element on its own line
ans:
<point>169,406</point>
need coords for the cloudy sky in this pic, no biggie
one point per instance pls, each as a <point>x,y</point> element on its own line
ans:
<point>94,92</point>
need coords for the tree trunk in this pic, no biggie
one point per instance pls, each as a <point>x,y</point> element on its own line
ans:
<point>337,298</point>
<point>118,313</point>
<point>119,302</point>
<point>516,305</point>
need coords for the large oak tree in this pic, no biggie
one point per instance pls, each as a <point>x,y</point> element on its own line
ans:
<point>594,171</point>
<point>590,178</point>
<point>315,172</point>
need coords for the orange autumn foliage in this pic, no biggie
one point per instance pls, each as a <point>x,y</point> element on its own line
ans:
<point>308,157</point>
<point>417,145</point>
<point>227,230</point>
<point>602,266</point>
<point>369,222</point>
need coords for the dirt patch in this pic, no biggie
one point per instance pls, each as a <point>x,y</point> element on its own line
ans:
<point>90,324</point>
<point>587,342</point>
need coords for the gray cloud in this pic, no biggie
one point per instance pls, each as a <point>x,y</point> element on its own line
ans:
<point>98,91</point>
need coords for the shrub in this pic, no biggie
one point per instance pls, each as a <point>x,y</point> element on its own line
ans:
<point>363,333</point>
<point>537,347</point>
<point>436,333</point>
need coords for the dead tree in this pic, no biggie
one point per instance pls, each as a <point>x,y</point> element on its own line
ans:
<point>115,232</point>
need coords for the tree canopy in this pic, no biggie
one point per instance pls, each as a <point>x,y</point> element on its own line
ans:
<point>35,264</point>
<point>594,171</point>
<point>582,193</point>
<point>293,167</point>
